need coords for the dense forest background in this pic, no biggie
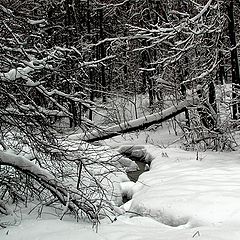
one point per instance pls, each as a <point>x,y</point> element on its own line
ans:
<point>82,65</point>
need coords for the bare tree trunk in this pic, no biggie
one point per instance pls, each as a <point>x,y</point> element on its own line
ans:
<point>212,96</point>
<point>91,70</point>
<point>234,61</point>
<point>183,75</point>
<point>69,22</point>
<point>221,72</point>
<point>103,54</point>
<point>92,91</point>
<point>148,81</point>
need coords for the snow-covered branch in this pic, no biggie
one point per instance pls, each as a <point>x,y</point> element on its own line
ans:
<point>201,13</point>
<point>68,196</point>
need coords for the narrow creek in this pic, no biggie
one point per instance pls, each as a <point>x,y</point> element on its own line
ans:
<point>139,157</point>
<point>142,167</point>
<point>143,159</point>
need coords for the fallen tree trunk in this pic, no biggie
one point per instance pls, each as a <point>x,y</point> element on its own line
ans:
<point>133,125</point>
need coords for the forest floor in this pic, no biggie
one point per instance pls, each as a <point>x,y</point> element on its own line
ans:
<point>184,195</point>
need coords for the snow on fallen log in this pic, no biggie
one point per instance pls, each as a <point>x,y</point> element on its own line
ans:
<point>133,125</point>
<point>68,196</point>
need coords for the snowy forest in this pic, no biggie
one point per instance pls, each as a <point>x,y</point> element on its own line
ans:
<point>117,116</point>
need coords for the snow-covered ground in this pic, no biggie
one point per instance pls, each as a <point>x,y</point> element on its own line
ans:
<point>185,195</point>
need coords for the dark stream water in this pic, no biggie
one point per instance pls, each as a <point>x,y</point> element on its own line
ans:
<point>133,175</point>
<point>140,160</point>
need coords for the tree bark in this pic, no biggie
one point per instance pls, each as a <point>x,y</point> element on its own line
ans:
<point>103,55</point>
<point>221,71</point>
<point>234,61</point>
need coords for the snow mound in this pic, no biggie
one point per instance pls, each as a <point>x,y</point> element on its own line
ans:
<point>189,188</point>
<point>49,230</point>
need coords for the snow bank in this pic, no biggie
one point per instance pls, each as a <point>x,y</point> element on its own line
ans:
<point>143,228</point>
<point>189,188</point>
<point>49,230</point>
